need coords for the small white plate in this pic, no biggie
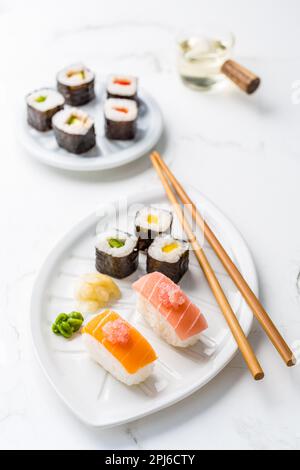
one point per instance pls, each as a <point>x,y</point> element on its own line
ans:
<point>93,395</point>
<point>107,153</point>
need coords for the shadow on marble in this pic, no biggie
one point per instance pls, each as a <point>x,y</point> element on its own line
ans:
<point>124,172</point>
<point>182,412</point>
<point>257,103</point>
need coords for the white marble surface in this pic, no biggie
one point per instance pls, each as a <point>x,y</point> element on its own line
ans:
<point>242,152</point>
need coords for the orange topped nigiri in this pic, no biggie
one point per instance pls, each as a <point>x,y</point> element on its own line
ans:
<point>119,347</point>
<point>168,310</point>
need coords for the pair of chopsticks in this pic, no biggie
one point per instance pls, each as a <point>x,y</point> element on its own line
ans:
<point>177,194</point>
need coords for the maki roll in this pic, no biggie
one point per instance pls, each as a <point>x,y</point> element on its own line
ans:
<point>168,310</point>
<point>122,86</point>
<point>74,130</point>
<point>76,83</point>
<point>41,106</point>
<point>151,222</point>
<point>119,348</point>
<point>120,119</point>
<point>169,256</point>
<point>116,253</point>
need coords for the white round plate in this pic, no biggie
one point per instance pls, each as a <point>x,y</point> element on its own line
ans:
<point>107,153</point>
<point>92,394</point>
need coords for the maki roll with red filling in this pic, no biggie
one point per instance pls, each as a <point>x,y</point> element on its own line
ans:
<point>77,84</point>
<point>122,86</point>
<point>41,106</point>
<point>74,130</point>
<point>120,119</point>
<point>116,253</point>
<point>151,222</point>
<point>168,256</point>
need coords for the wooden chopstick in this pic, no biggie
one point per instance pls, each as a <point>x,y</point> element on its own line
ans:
<point>251,299</point>
<point>212,280</point>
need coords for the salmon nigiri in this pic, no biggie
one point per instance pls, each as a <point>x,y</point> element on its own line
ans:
<point>168,310</point>
<point>118,347</point>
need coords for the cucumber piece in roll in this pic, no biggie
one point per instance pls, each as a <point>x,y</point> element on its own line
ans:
<point>77,84</point>
<point>42,105</point>
<point>74,130</point>
<point>116,253</point>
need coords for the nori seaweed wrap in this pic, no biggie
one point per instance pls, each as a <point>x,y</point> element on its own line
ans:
<point>120,119</point>
<point>169,256</point>
<point>42,105</point>
<point>116,254</point>
<point>151,222</point>
<point>77,84</point>
<point>74,130</point>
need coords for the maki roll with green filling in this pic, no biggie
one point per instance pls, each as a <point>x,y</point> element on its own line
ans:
<point>74,130</point>
<point>168,256</point>
<point>77,84</point>
<point>120,119</point>
<point>41,106</point>
<point>116,253</point>
<point>122,86</point>
<point>151,222</point>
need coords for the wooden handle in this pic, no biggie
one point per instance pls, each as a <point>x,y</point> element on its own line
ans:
<point>213,282</point>
<point>251,299</point>
<point>242,77</point>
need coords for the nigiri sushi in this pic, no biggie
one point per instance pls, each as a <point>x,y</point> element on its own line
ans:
<point>119,348</point>
<point>168,310</point>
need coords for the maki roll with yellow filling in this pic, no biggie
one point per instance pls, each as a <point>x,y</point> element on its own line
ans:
<point>151,222</point>
<point>116,253</point>
<point>168,256</point>
<point>41,106</point>
<point>74,130</point>
<point>77,84</point>
<point>120,119</point>
<point>122,86</point>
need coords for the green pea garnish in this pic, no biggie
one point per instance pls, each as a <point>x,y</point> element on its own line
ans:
<point>67,324</point>
<point>115,243</point>
<point>41,99</point>
<point>76,316</point>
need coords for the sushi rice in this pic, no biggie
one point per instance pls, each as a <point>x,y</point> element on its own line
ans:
<point>166,248</point>
<point>75,75</point>
<point>102,356</point>
<point>81,124</point>
<point>160,325</point>
<point>153,219</point>
<point>122,86</point>
<point>42,105</point>
<point>168,310</point>
<point>118,347</point>
<point>120,110</point>
<point>45,99</point>
<point>168,256</point>
<point>102,243</point>
<point>116,253</point>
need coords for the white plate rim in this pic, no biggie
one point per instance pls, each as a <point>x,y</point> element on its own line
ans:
<point>228,351</point>
<point>127,155</point>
